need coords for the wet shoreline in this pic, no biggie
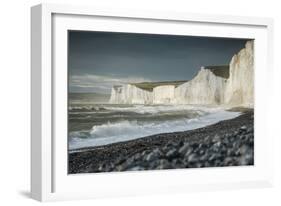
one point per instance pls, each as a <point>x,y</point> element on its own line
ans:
<point>226,143</point>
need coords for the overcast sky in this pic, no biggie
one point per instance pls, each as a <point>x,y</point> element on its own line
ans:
<point>98,60</point>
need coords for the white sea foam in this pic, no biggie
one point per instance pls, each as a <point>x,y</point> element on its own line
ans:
<point>129,130</point>
<point>85,107</point>
<point>154,109</point>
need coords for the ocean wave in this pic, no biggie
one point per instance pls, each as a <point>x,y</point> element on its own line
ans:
<point>113,132</point>
<point>154,109</point>
<point>86,107</point>
<point>145,109</point>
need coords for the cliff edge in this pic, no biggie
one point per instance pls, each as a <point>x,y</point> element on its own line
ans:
<point>240,85</point>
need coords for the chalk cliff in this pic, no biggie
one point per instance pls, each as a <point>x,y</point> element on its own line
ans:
<point>240,85</point>
<point>145,93</point>
<point>130,94</point>
<point>205,88</point>
<point>164,94</point>
<point>215,85</point>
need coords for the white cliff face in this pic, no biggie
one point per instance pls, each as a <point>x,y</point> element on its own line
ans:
<point>240,85</point>
<point>164,94</point>
<point>130,94</point>
<point>204,88</point>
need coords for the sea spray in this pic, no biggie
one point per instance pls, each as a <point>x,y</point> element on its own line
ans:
<point>163,121</point>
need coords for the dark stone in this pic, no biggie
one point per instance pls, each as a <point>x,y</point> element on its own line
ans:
<point>195,145</point>
<point>172,153</point>
<point>192,158</point>
<point>243,128</point>
<point>214,157</point>
<point>163,164</point>
<point>201,152</point>
<point>188,152</point>
<point>204,157</point>
<point>250,130</point>
<point>246,159</point>
<point>135,168</point>
<point>244,149</point>
<point>184,149</point>
<point>153,155</point>
<point>216,138</point>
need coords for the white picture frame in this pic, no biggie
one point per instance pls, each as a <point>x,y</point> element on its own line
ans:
<point>49,179</point>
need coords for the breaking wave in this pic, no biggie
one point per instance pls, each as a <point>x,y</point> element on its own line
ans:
<point>120,131</point>
<point>145,109</point>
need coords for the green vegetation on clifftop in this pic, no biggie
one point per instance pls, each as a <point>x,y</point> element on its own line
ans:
<point>150,85</point>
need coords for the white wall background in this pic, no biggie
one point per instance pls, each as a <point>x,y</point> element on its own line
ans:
<point>15,101</point>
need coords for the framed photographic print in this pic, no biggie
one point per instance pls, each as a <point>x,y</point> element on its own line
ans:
<point>135,102</point>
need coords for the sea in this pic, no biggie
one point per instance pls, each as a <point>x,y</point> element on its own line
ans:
<point>92,121</point>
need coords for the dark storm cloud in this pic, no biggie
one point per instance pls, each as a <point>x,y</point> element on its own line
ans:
<point>97,60</point>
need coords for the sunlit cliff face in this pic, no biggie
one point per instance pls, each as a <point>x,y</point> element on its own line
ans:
<point>206,88</point>
<point>240,85</point>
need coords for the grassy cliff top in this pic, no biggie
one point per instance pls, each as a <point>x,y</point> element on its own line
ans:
<point>150,85</point>
<point>221,71</point>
